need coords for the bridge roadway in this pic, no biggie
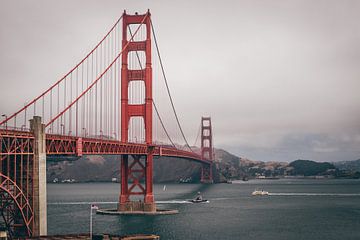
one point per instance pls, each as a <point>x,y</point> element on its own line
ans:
<point>21,142</point>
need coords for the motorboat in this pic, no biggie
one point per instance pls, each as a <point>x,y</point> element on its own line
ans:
<point>259,193</point>
<point>198,201</point>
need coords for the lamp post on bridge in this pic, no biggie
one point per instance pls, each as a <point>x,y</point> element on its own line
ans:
<point>62,128</point>
<point>84,132</point>
<point>5,116</point>
<point>92,207</point>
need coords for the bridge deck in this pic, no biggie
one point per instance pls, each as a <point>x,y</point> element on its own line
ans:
<point>13,141</point>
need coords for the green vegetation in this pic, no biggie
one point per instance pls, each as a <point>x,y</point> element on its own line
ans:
<point>349,165</point>
<point>311,168</point>
<point>230,167</point>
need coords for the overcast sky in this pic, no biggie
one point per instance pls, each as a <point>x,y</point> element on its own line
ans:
<point>280,79</point>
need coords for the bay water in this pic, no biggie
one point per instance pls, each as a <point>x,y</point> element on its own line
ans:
<point>295,209</point>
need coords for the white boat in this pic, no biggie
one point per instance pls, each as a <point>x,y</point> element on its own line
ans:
<point>259,193</point>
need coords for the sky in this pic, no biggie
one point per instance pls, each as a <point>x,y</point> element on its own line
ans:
<point>280,79</point>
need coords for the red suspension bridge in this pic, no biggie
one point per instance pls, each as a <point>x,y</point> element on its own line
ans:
<point>105,105</point>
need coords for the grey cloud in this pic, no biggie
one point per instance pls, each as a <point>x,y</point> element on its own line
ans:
<point>279,78</point>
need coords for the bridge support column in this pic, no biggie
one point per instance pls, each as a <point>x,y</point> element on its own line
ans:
<point>149,195</point>
<point>139,172</point>
<point>39,178</point>
<point>137,176</point>
<point>124,196</point>
<point>206,150</point>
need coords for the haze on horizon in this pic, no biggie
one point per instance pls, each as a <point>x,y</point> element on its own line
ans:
<point>280,79</point>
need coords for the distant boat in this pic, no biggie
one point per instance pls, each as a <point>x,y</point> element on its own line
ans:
<point>259,193</point>
<point>198,199</point>
<point>267,178</point>
<point>68,181</point>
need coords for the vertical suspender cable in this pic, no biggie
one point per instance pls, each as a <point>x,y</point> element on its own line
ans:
<point>167,87</point>
<point>70,112</point>
<point>63,122</point>
<point>156,110</point>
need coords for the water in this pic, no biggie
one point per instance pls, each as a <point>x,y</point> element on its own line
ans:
<point>295,209</point>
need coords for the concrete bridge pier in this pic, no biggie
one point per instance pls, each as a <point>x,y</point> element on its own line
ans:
<point>39,201</point>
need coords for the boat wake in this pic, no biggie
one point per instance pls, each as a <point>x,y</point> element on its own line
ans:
<point>219,199</point>
<point>317,194</point>
<point>79,203</point>
<point>215,199</point>
<point>173,202</point>
<point>88,203</point>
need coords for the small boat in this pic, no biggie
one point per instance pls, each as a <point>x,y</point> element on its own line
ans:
<point>259,193</point>
<point>198,200</point>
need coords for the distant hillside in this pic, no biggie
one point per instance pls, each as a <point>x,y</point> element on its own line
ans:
<point>166,169</point>
<point>310,168</point>
<point>349,165</point>
<point>99,168</point>
<point>233,167</point>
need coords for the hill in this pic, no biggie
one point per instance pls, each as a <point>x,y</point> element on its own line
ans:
<point>349,165</point>
<point>105,168</point>
<point>311,168</point>
<point>166,169</point>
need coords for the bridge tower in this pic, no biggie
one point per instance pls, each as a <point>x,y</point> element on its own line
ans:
<point>206,149</point>
<point>136,170</point>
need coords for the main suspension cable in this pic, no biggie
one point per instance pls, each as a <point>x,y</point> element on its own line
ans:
<point>197,135</point>
<point>153,102</point>
<point>167,87</point>
<point>64,77</point>
<point>98,78</point>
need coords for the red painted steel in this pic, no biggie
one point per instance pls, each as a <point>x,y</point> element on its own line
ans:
<point>140,110</point>
<point>122,53</point>
<point>16,161</point>
<point>17,144</point>
<point>12,194</point>
<point>71,146</point>
<point>7,119</point>
<point>206,149</point>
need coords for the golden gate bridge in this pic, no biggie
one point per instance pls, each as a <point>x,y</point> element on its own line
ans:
<point>105,105</point>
